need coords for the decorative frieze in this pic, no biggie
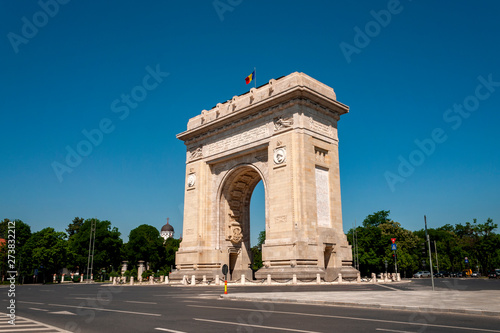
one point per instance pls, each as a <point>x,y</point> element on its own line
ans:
<point>237,140</point>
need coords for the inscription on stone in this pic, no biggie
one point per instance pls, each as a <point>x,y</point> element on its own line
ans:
<point>236,140</point>
<point>320,128</point>
<point>322,197</point>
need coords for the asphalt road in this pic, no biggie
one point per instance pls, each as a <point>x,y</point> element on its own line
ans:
<point>160,308</point>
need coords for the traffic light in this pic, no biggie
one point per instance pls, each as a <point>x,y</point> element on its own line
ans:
<point>424,250</point>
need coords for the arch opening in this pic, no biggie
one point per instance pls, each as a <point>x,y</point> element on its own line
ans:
<point>235,198</point>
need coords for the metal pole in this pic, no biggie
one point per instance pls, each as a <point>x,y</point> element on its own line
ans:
<point>255,79</point>
<point>90,247</point>
<point>357,253</point>
<point>430,254</point>
<point>435,250</point>
<point>93,247</point>
<point>353,247</point>
<point>395,261</point>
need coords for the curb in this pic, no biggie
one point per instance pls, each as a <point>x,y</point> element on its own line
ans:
<point>364,305</point>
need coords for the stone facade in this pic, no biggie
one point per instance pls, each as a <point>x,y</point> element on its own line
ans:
<point>284,134</point>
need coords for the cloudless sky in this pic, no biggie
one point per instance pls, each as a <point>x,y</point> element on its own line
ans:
<point>399,83</point>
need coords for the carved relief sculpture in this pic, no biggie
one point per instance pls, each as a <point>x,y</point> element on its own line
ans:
<point>282,122</point>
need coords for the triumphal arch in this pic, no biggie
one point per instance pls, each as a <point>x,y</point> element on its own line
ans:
<point>284,134</point>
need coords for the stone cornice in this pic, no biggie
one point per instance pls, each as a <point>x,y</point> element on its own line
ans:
<point>275,95</point>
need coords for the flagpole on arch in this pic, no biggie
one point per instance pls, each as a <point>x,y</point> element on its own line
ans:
<point>255,71</point>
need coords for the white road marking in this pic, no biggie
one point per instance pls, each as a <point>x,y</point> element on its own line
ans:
<point>167,330</point>
<point>85,298</point>
<point>22,325</point>
<point>258,326</point>
<point>381,285</point>
<point>109,310</point>
<point>63,312</point>
<point>348,318</point>
<point>396,331</point>
<point>141,302</point>
<point>37,309</point>
<point>31,302</point>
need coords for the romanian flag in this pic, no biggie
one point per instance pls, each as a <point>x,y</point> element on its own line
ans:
<point>250,77</point>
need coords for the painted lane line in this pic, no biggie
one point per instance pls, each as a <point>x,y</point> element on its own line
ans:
<point>64,313</point>
<point>84,298</point>
<point>348,318</point>
<point>141,302</point>
<point>109,310</point>
<point>37,309</point>
<point>31,302</point>
<point>396,331</point>
<point>167,330</point>
<point>391,288</point>
<point>258,326</point>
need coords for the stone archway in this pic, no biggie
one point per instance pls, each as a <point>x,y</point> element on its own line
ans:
<point>285,134</point>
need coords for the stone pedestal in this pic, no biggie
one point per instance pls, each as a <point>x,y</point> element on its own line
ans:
<point>124,267</point>
<point>140,270</point>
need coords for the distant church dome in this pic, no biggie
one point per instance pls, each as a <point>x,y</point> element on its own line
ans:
<point>167,227</point>
<point>167,231</point>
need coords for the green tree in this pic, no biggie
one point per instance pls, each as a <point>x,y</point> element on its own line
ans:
<point>22,233</point>
<point>47,251</point>
<point>374,241</point>
<point>257,252</point>
<point>145,243</point>
<point>171,247</point>
<point>377,218</point>
<point>107,248</point>
<point>74,226</point>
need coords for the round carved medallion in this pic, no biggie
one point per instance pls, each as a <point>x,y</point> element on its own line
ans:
<point>279,155</point>
<point>191,180</point>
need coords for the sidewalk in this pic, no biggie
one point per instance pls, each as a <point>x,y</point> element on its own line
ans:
<point>484,302</point>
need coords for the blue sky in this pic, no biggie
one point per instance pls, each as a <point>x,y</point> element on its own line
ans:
<point>400,66</point>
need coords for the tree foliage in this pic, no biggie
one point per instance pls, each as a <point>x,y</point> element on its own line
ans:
<point>451,244</point>
<point>74,226</point>
<point>107,254</point>
<point>171,247</point>
<point>46,251</point>
<point>145,243</point>
<point>257,252</point>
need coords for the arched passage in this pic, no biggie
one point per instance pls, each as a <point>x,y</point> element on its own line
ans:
<point>234,217</point>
